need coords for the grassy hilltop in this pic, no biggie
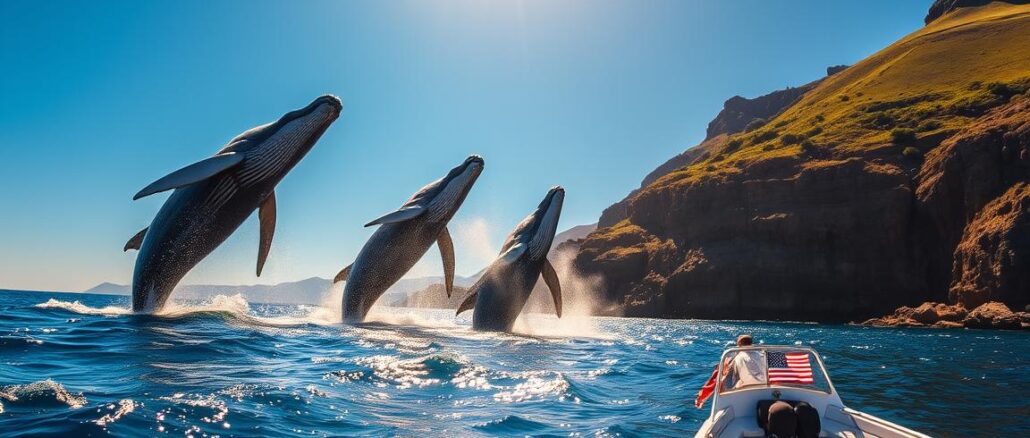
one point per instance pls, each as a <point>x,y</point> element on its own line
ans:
<point>931,83</point>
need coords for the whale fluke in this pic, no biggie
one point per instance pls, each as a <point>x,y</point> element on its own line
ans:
<point>398,216</point>
<point>195,172</point>
<point>266,214</point>
<point>551,278</point>
<point>447,254</point>
<point>342,276</point>
<point>136,240</point>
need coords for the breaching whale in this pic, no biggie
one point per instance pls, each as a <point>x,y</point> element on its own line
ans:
<point>212,197</point>
<point>504,288</point>
<point>403,238</point>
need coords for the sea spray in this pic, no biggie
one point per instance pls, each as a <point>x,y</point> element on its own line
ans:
<point>580,300</point>
<point>78,307</point>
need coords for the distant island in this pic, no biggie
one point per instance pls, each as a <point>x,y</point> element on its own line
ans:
<point>309,291</point>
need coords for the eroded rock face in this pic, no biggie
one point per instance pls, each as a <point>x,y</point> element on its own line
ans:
<point>806,246</point>
<point>992,262</point>
<point>956,182</point>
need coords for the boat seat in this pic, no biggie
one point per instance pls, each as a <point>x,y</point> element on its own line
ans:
<point>808,423</point>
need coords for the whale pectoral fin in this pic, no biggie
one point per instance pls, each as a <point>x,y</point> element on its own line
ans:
<point>468,303</point>
<point>342,276</point>
<point>266,215</point>
<point>398,216</point>
<point>136,240</point>
<point>195,172</point>
<point>513,253</point>
<point>447,254</point>
<point>551,278</point>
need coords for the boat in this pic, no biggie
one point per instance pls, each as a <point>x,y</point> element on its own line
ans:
<point>803,385</point>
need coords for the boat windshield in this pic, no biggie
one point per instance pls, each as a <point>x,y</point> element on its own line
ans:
<point>751,367</point>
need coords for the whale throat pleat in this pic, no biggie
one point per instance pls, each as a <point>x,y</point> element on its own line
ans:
<point>447,255</point>
<point>266,214</point>
<point>193,173</point>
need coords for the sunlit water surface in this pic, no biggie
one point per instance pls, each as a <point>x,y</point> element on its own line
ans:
<point>74,364</point>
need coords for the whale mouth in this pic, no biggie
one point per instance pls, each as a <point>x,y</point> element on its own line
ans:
<point>335,105</point>
<point>330,99</point>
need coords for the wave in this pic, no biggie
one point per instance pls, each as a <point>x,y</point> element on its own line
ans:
<point>44,393</point>
<point>82,309</point>
<point>512,425</point>
<point>536,387</point>
<point>528,327</point>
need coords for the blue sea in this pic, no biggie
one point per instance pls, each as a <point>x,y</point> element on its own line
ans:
<point>83,365</point>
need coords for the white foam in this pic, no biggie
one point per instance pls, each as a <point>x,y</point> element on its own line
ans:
<point>234,305</point>
<point>125,407</point>
<point>410,317</point>
<point>78,307</point>
<point>43,391</point>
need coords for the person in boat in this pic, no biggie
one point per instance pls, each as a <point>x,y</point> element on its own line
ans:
<point>746,368</point>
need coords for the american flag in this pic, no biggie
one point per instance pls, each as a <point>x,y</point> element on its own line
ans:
<point>789,367</point>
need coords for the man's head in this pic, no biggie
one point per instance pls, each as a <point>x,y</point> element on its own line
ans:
<point>743,340</point>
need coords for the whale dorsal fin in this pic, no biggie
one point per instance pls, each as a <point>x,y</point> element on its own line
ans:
<point>513,253</point>
<point>195,172</point>
<point>447,254</point>
<point>398,216</point>
<point>551,278</point>
<point>266,215</point>
<point>136,241</point>
<point>342,276</point>
<point>468,303</point>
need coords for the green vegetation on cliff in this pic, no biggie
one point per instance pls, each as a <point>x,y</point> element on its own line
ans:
<point>934,82</point>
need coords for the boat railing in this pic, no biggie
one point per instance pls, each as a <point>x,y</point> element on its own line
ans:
<point>724,362</point>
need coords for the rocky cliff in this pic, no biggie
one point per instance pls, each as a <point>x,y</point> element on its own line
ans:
<point>941,7</point>
<point>898,180</point>
<point>740,113</point>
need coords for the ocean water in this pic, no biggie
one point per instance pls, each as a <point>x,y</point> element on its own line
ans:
<point>75,364</point>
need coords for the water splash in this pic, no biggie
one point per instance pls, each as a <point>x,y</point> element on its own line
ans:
<point>235,305</point>
<point>77,307</point>
<point>579,304</point>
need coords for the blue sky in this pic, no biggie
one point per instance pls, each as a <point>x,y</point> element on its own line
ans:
<point>98,100</point>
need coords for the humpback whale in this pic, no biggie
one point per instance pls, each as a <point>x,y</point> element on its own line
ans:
<point>403,238</point>
<point>504,288</point>
<point>213,196</point>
